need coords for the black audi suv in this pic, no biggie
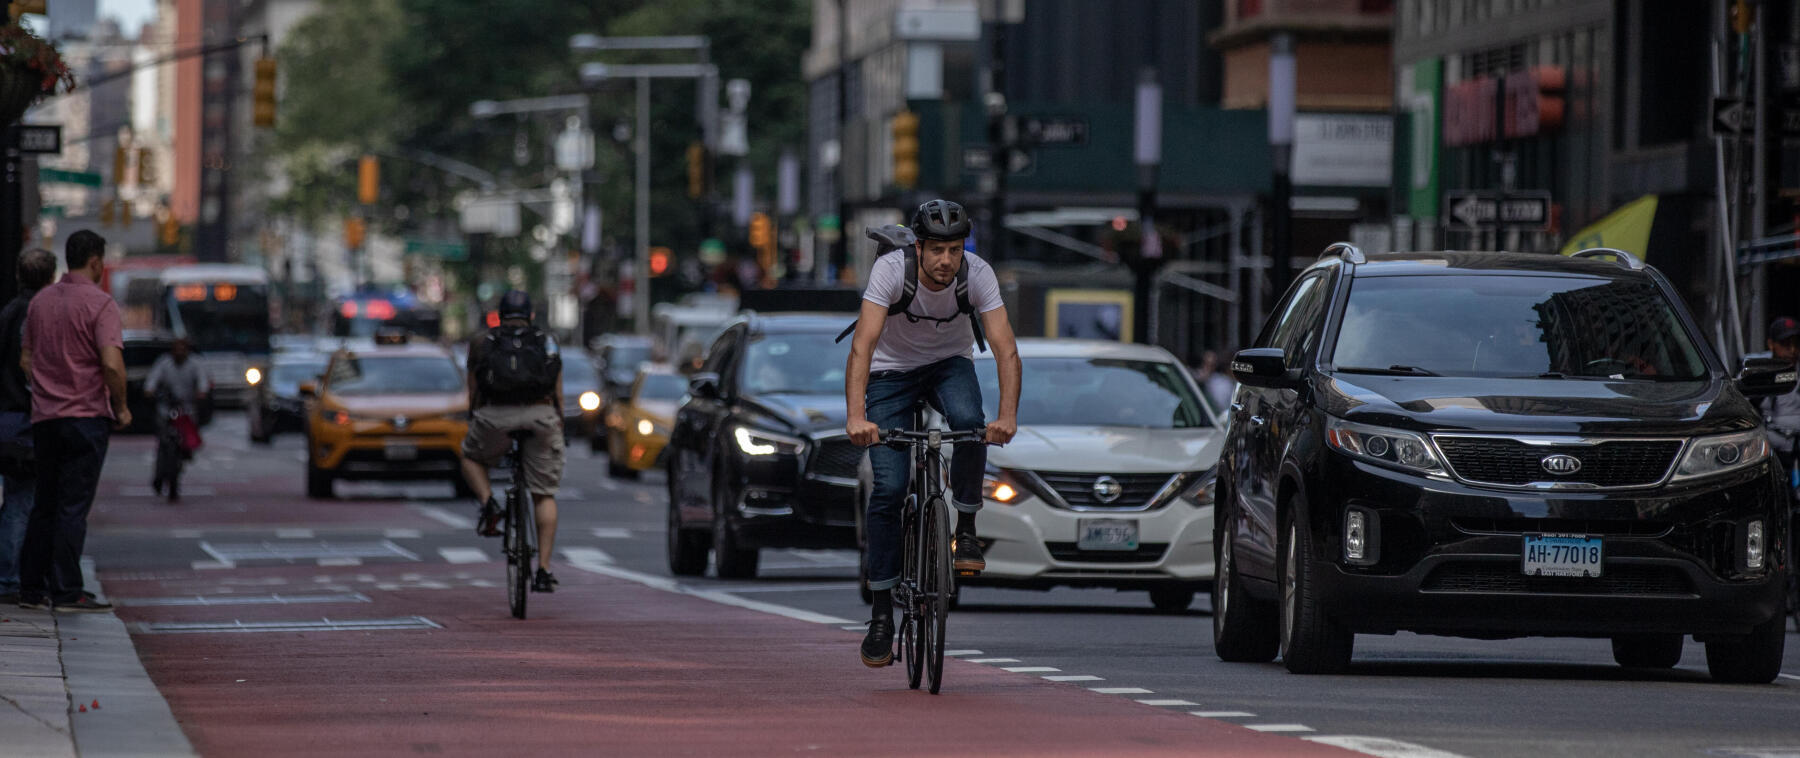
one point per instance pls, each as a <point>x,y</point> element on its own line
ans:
<point>1497,445</point>
<point>758,456</point>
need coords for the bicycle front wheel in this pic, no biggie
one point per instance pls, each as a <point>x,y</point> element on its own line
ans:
<point>518,553</point>
<point>912,626</point>
<point>937,586</point>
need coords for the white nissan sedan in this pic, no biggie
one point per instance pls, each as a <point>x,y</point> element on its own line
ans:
<point>1109,480</point>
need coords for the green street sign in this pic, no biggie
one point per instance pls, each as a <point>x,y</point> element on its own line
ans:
<point>450,251</point>
<point>68,177</point>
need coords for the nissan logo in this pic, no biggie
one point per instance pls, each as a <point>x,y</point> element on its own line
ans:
<point>401,422</point>
<point>1107,489</point>
<point>1561,465</point>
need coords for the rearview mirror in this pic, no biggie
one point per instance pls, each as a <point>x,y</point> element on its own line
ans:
<point>704,385</point>
<point>1766,377</point>
<point>309,389</point>
<point>1263,367</point>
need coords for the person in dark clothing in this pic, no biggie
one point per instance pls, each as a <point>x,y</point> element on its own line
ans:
<point>36,269</point>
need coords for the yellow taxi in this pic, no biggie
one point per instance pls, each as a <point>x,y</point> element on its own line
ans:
<point>394,410</point>
<point>638,422</point>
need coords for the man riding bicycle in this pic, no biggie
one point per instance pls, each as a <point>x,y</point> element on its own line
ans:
<point>515,384</point>
<point>922,350</point>
<point>179,384</point>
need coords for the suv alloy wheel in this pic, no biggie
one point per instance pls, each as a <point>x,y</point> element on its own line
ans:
<point>1243,627</point>
<point>1311,643</point>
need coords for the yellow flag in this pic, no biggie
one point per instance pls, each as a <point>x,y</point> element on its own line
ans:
<point>1627,228</point>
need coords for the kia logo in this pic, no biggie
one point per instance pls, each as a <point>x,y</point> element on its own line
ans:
<point>1560,464</point>
<point>1107,489</point>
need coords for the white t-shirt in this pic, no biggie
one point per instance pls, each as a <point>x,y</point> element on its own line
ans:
<point>907,344</point>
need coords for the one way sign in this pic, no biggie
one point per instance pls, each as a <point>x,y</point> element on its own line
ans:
<point>1471,211</point>
<point>1732,116</point>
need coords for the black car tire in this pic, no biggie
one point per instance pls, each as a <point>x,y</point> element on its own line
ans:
<point>1243,626</point>
<point>1647,651</point>
<point>1172,599</point>
<point>1311,643</point>
<point>730,560</point>
<point>618,471</point>
<point>318,481</point>
<point>1754,658</point>
<point>687,547</point>
<point>260,426</point>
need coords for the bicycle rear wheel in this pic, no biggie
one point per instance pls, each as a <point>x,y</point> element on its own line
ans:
<point>938,587</point>
<point>518,552</point>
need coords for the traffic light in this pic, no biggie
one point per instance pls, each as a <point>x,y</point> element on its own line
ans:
<point>762,239</point>
<point>696,158</point>
<point>368,180</point>
<point>263,93</point>
<point>659,260</point>
<point>905,128</point>
<point>146,167</point>
<point>354,231</point>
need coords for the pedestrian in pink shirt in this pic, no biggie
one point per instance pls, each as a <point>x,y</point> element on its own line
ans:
<point>74,354</point>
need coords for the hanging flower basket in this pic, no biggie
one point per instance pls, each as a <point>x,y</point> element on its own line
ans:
<point>30,69</point>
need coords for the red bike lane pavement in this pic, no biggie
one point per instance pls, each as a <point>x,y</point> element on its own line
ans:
<point>603,667</point>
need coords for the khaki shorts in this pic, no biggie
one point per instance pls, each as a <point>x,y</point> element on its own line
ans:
<point>487,442</point>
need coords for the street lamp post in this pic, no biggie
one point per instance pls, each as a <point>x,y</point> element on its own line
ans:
<point>1281,146</point>
<point>1147,154</point>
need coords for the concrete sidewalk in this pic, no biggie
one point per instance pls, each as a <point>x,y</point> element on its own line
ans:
<point>55,667</point>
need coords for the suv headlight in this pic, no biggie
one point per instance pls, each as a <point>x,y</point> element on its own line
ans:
<point>757,442</point>
<point>1718,454</point>
<point>1389,447</point>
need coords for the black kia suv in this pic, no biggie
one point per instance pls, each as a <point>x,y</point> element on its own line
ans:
<point>1497,445</point>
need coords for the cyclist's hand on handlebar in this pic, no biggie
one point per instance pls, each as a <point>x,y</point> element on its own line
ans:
<point>1001,431</point>
<point>863,433</point>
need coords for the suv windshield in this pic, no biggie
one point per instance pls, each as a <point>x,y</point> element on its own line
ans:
<point>1514,326</point>
<point>1097,392</point>
<point>805,363</point>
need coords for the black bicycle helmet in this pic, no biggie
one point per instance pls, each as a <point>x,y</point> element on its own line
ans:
<point>940,220</point>
<point>515,304</point>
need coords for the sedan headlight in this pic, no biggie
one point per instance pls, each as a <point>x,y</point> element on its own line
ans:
<point>589,401</point>
<point>757,442</point>
<point>1389,447</point>
<point>999,486</point>
<point>253,376</point>
<point>1200,488</point>
<point>1718,454</point>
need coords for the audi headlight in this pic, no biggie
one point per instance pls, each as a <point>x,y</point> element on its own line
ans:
<point>589,401</point>
<point>1718,454</point>
<point>1389,447</point>
<point>757,442</point>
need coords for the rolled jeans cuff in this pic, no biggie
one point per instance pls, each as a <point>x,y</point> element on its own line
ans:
<point>885,584</point>
<point>965,507</point>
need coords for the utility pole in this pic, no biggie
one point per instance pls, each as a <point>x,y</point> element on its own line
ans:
<point>1147,154</point>
<point>1001,135</point>
<point>1281,143</point>
<point>840,251</point>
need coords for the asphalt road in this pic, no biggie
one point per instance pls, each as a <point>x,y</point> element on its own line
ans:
<point>245,535</point>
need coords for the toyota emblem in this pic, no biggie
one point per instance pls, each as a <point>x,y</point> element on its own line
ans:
<point>1560,464</point>
<point>1107,489</point>
<point>401,422</point>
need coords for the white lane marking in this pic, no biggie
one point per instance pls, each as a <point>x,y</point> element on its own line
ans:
<point>341,561</point>
<point>612,533</point>
<point>1222,714</point>
<point>586,555</point>
<point>210,565</point>
<point>1075,678</point>
<point>819,587</point>
<point>1122,690</point>
<point>463,555</point>
<point>863,628</point>
<point>1382,747</point>
<point>185,534</point>
<point>1279,728</point>
<point>1028,669</point>
<point>960,653</point>
<point>993,660</point>
<point>217,557</point>
<point>444,516</point>
<point>293,534</point>
<point>1161,703</point>
<point>1788,676</point>
<point>606,484</point>
<point>401,534</point>
<point>670,585</point>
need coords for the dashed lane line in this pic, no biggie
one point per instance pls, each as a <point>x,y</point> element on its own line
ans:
<point>463,555</point>
<point>816,587</point>
<point>1381,747</point>
<point>1075,678</point>
<point>994,660</point>
<point>1122,690</point>
<point>611,533</point>
<point>1028,669</point>
<point>1166,703</point>
<point>1788,676</point>
<point>1223,714</point>
<point>444,516</point>
<point>586,555</point>
<point>294,534</point>
<point>211,565</point>
<point>723,598</point>
<point>340,561</point>
<point>1280,728</point>
<point>401,534</point>
<point>960,653</point>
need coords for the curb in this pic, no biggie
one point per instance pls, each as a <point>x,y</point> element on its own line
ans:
<point>100,663</point>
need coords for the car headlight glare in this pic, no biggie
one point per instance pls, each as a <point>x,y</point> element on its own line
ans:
<point>1392,447</point>
<point>644,427</point>
<point>995,487</point>
<point>589,401</point>
<point>754,442</point>
<point>1718,454</point>
<point>253,376</point>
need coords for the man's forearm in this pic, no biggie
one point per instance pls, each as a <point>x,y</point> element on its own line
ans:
<point>1010,370</point>
<point>115,383</point>
<point>856,385</point>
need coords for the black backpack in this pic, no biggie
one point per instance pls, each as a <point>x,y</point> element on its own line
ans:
<point>896,237</point>
<point>518,367</point>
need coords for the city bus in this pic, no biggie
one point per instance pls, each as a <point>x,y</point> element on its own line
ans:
<point>223,311</point>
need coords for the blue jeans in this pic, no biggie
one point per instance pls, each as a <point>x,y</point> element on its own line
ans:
<point>15,506</point>
<point>951,388</point>
<point>70,452</point>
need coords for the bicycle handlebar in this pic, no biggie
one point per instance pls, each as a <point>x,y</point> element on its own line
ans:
<point>905,437</point>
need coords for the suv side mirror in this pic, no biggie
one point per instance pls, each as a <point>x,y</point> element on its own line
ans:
<point>1264,367</point>
<point>309,389</point>
<point>704,385</point>
<point>1766,377</point>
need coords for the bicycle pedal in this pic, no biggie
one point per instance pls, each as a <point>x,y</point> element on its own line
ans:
<point>967,573</point>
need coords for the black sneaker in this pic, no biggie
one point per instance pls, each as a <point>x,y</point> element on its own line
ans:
<point>489,525</point>
<point>878,646</point>
<point>34,602</point>
<point>965,553</point>
<point>86,604</point>
<point>543,582</point>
